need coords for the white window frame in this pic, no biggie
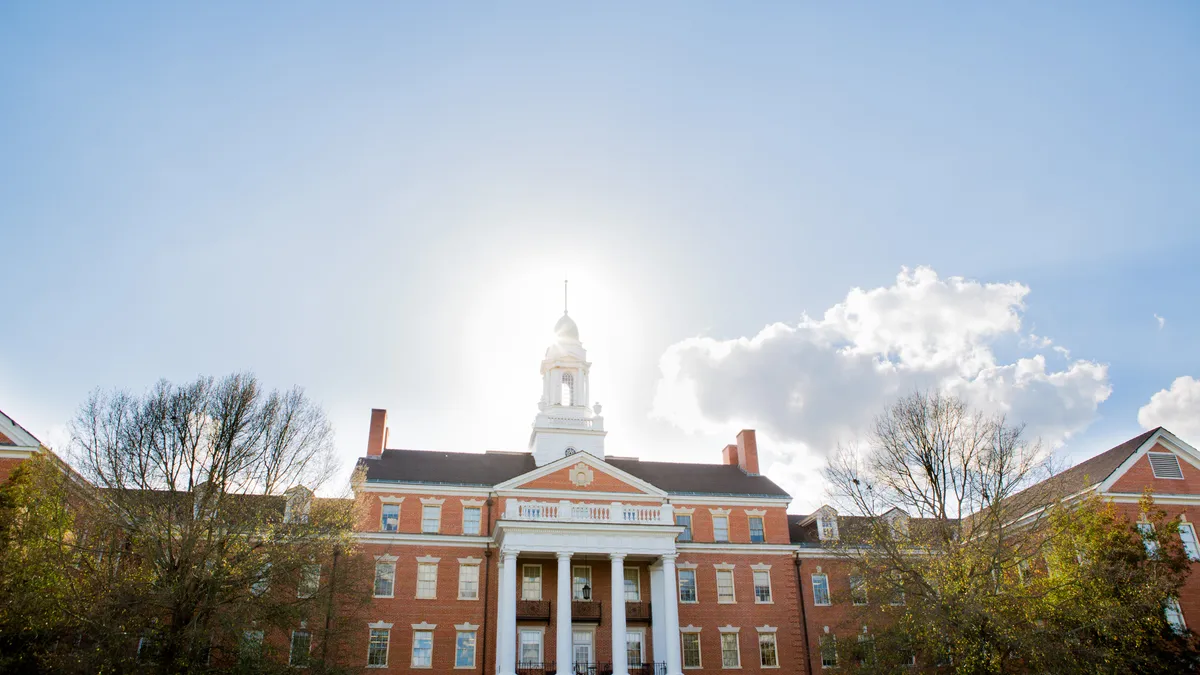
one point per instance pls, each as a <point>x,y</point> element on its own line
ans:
<point>384,563</point>
<point>387,643</point>
<point>251,637</point>
<point>412,661</point>
<point>732,586</point>
<point>715,538</point>
<point>292,648</point>
<point>767,632</point>
<point>474,633</point>
<point>1174,615</point>
<point>262,583</point>
<point>637,583</point>
<point>591,631</point>
<point>749,524</point>
<point>861,587</point>
<point>463,565</point>
<point>832,640</point>
<point>687,528</point>
<point>765,570</point>
<point>828,595</point>
<point>478,523</point>
<point>588,582</point>
<point>540,631</point>
<point>683,650</point>
<point>1191,546</point>
<point>827,527</point>
<point>1146,529</point>
<point>524,585</point>
<point>383,516</point>
<point>737,644</point>
<point>695,585</point>
<point>425,565</point>
<point>426,519</point>
<point>309,581</point>
<point>641,633</point>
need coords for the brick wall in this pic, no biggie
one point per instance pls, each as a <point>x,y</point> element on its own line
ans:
<point>1140,476</point>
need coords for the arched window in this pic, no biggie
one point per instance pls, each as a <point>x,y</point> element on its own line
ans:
<point>568,389</point>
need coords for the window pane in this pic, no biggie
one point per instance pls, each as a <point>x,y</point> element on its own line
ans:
<point>422,655</point>
<point>468,582</point>
<point>471,518</point>
<point>531,582</point>
<point>762,586</point>
<point>385,578</point>
<point>301,644</point>
<point>691,650</point>
<point>757,535</point>
<point>633,648</point>
<point>251,647</point>
<point>310,581</point>
<point>531,646</point>
<point>581,646</point>
<point>820,584</point>
<point>431,519</point>
<point>828,651</point>
<point>632,589</point>
<point>686,522</point>
<point>464,649</point>
<point>582,577</point>
<point>768,656</point>
<point>390,522</point>
<point>378,647</point>
<point>858,590</point>
<point>720,528</point>
<point>725,586</point>
<point>729,650</point>
<point>427,580</point>
<point>687,585</point>
<point>1188,534</point>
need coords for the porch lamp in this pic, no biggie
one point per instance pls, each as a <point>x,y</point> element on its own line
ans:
<point>587,591</point>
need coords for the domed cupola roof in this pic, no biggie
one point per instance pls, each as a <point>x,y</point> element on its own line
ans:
<point>566,330</point>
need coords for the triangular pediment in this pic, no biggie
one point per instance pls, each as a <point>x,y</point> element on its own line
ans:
<point>1162,463</point>
<point>581,472</point>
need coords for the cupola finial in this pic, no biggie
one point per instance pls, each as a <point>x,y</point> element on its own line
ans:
<point>564,296</point>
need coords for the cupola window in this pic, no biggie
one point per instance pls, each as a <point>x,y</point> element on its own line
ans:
<point>568,389</point>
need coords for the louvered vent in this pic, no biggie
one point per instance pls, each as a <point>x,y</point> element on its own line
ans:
<point>1165,465</point>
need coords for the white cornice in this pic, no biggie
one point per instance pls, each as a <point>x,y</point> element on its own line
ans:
<point>17,452</point>
<point>727,548</point>
<point>405,539</point>
<point>1159,498</point>
<point>423,488</point>
<point>729,500</point>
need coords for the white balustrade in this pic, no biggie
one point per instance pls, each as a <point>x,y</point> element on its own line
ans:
<point>578,512</point>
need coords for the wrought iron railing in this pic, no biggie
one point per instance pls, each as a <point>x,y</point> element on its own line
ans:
<point>533,610</point>
<point>586,610</point>
<point>536,668</point>
<point>637,611</point>
<point>593,668</point>
<point>652,668</point>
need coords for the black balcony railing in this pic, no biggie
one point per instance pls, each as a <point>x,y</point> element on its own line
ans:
<point>593,669</point>
<point>637,611</point>
<point>655,668</point>
<point>586,610</point>
<point>533,610</point>
<point>536,668</point>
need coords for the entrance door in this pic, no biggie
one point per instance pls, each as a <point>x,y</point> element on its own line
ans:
<point>582,650</point>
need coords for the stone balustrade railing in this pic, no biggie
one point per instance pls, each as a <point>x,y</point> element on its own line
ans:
<point>582,512</point>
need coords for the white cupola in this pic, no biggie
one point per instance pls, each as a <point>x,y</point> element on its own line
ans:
<point>566,422</point>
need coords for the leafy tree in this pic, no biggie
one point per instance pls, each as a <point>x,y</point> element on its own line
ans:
<point>990,577</point>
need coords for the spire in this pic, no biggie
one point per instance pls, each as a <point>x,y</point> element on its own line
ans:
<point>564,296</point>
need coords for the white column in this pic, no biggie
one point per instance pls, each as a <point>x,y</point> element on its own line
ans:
<point>670,603</point>
<point>620,663</point>
<point>563,651</point>
<point>507,635</point>
<point>658,614</point>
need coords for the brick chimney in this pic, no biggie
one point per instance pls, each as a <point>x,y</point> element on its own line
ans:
<point>747,451</point>
<point>730,455</point>
<point>379,433</point>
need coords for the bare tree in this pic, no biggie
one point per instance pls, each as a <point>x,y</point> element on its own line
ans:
<point>942,533</point>
<point>213,482</point>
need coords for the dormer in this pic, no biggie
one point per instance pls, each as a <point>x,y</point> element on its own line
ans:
<point>897,521</point>
<point>297,504</point>
<point>826,519</point>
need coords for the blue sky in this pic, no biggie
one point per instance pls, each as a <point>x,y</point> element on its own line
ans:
<point>378,203</point>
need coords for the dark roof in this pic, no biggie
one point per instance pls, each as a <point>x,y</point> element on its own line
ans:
<point>700,479</point>
<point>493,468</point>
<point>447,468</point>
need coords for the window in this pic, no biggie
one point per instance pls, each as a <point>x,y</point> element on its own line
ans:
<point>633,585</point>
<point>1187,532</point>
<point>1147,530</point>
<point>633,648</point>
<point>691,650</point>
<point>531,646</point>
<point>422,654</point>
<point>725,586</point>
<point>472,515</point>
<point>828,651</point>
<point>310,581</point>
<point>1165,465</point>
<point>301,644</point>
<point>720,528</point>
<point>468,581</point>
<point>385,579</point>
<point>762,586</point>
<point>568,389</point>
<point>263,581</point>
<point>897,592</point>
<point>757,534</point>
<point>686,523</point>
<point>581,578</point>
<point>820,584</point>
<point>431,518</point>
<point>464,649</point>
<point>730,657</point>
<point>389,521</point>
<point>581,646</point>
<point>687,585</point>
<point>1175,615</point>
<point>865,654</point>
<point>858,590</point>
<point>768,655</point>
<point>377,648</point>
<point>827,528</point>
<point>251,647</point>
<point>531,582</point>
<point>427,580</point>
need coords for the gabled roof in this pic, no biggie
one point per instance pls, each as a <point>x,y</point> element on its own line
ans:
<point>12,433</point>
<point>493,468</point>
<point>627,479</point>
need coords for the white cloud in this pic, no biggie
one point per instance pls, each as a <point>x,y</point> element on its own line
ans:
<point>1177,409</point>
<point>1161,321</point>
<point>819,382</point>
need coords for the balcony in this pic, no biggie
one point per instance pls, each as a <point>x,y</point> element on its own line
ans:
<point>578,512</point>
<point>586,610</point>
<point>637,611</point>
<point>533,610</point>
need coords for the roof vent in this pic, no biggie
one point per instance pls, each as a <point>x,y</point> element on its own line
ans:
<point>1165,465</point>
